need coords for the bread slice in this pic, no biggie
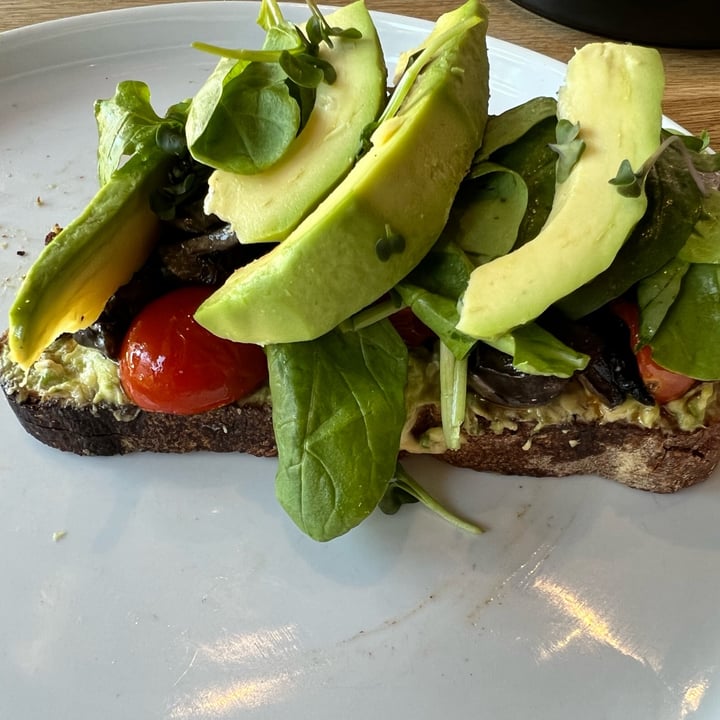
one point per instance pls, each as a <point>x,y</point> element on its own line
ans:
<point>102,429</point>
<point>661,459</point>
<point>653,459</point>
<point>109,424</point>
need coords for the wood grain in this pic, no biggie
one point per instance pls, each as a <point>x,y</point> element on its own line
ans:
<point>692,96</point>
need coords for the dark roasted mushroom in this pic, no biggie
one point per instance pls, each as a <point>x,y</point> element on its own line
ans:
<point>107,332</point>
<point>612,371</point>
<point>179,258</point>
<point>492,376</point>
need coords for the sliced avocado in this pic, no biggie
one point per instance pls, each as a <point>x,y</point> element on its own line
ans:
<point>68,285</point>
<point>384,216</point>
<point>614,92</point>
<point>267,206</point>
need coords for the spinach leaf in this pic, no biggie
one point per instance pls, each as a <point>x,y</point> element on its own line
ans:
<point>656,294</point>
<point>128,126</point>
<point>532,158</point>
<point>703,245</point>
<point>244,116</point>
<point>445,270</point>
<point>536,351</point>
<point>488,211</point>
<point>440,314</point>
<point>508,127</point>
<point>432,291</point>
<point>679,308</point>
<point>127,122</point>
<point>338,413</point>
<point>707,162</point>
<point>254,104</point>
<point>688,340</point>
<point>508,193</point>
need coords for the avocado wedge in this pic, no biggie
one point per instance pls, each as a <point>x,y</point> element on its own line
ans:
<point>613,95</point>
<point>387,212</point>
<point>267,206</point>
<point>69,283</point>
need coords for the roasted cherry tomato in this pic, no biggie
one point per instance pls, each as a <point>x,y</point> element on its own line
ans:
<point>169,363</point>
<point>412,330</point>
<point>664,385</point>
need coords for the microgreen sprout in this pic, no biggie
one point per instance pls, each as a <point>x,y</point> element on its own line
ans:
<point>569,148</point>
<point>301,63</point>
<point>391,243</point>
<point>257,101</point>
<point>319,30</point>
<point>630,183</point>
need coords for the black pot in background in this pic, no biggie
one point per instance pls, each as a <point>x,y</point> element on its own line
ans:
<point>690,24</point>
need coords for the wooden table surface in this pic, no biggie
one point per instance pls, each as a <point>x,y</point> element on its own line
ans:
<point>692,96</point>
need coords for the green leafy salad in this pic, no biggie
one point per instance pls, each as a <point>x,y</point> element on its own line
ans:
<point>364,208</point>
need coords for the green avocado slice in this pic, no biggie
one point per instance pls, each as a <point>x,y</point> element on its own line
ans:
<point>613,93</point>
<point>384,216</point>
<point>68,285</point>
<point>267,206</point>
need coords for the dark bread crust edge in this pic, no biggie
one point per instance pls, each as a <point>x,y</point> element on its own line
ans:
<point>653,460</point>
<point>104,430</point>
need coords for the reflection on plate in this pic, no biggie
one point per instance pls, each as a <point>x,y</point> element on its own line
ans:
<point>180,590</point>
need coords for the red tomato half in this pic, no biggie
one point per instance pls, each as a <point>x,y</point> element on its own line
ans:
<point>169,363</point>
<point>664,385</point>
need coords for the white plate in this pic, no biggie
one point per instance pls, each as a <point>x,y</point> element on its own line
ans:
<point>182,591</point>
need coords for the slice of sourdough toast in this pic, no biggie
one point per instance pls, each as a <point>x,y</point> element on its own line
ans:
<point>101,429</point>
<point>660,459</point>
<point>657,459</point>
<point>73,402</point>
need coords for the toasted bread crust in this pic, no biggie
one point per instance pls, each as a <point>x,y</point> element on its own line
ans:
<point>647,459</point>
<point>104,430</point>
<point>653,460</point>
